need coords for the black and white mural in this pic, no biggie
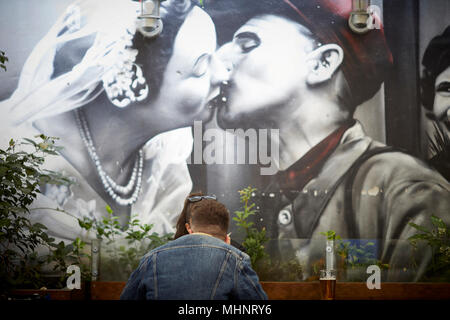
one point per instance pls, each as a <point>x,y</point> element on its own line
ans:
<point>282,95</point>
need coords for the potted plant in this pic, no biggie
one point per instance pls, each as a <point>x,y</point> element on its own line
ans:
<point>254,244</point>
<point>120,250</point>
<point>21,266</point>
<point>438,239</point>
<point>353,257</point>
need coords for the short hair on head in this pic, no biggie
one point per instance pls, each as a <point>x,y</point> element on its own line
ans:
<point>209,216</point>
<point>436,59</point>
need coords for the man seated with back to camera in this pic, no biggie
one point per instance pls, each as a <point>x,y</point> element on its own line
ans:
<point>199,265</point>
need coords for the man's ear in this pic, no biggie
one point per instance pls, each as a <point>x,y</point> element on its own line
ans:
<point>188,228</point>
<point>323,62</point>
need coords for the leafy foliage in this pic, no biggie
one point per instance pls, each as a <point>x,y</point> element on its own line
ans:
<point>255,239</point>
<point>359,254</point>
<point>122,249</point>
<point>331,235</point>
<point>351,254</point>
<point>269,269</point>
<point>255,245</point>
<point>28,254</point>
<point>21,176</point>
<point>355,253</point>
<point>438,239</point>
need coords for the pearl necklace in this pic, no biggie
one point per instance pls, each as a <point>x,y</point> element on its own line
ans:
<point>116,192</point>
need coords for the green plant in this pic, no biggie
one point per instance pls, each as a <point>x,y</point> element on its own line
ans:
<point>62,256</point>
<point>354,253</point>
<point>438,238</point>
<point>267,268</point>
<point>331,235</point>
<point>255,239</point>
<point>21,176</point>
<point>122,250</point>
<point>361,254</point>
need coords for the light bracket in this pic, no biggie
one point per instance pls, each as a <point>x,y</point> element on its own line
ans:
<point>149,22</point>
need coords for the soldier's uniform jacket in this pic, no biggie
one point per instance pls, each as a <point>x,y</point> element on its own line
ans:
<point>385,190</point>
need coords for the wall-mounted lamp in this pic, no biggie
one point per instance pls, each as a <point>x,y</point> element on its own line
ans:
<point>149,22</point>
<point>360,16</point>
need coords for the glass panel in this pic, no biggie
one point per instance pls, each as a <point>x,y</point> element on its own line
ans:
<point>120,258</point>
<point>302,260</point>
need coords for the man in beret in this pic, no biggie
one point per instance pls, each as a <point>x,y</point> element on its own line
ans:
<point>298,67</point>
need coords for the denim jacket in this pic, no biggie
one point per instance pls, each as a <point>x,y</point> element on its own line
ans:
<point>194,267</point>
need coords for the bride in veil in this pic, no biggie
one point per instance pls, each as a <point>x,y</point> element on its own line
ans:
<point>122,105</point>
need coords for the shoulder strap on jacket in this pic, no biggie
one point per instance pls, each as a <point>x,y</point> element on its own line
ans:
<point>349,212</point>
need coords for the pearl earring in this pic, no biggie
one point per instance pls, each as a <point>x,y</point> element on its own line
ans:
<point>125,82</point>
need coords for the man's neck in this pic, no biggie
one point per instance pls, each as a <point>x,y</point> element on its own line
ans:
<point>303,131</point>
<point>207,234</point>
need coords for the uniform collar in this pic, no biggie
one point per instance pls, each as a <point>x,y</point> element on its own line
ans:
<point>307,167</point>
<point>312,200</point>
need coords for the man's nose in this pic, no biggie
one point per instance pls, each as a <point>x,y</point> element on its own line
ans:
<point>220,70</point>
<point>221,67</point>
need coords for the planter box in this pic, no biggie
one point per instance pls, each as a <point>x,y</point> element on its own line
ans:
<point>358,291</point>
<point>311,291</point>
<point>51,294</point>
<point>106,290</point>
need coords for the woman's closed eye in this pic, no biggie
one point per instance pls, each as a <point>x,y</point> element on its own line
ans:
<point>247,41</point>
<point>201,65</point>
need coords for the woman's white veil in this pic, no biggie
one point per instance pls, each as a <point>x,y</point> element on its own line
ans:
<point>111,24</point>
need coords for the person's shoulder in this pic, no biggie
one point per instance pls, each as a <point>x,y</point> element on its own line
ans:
<point>393,159</point>
<point>383,156</point>
<point>165,246</point>
<point>397,167</point>
<point>241,255</point>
